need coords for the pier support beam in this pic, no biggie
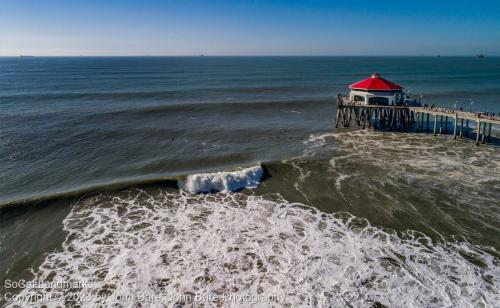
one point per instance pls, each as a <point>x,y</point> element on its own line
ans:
<point>478,132</point>
<point>435,124</point>
<point>455,128</point>
<point>369,118</point>
<point>365,115</point>
<point>461,127</point>
<point>489,132</point>
<point>393,119</point>
<point>484,133</point>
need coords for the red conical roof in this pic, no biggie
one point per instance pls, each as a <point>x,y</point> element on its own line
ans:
<point>376,83</point>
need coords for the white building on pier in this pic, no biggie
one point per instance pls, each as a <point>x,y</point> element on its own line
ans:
<point>376,91</point>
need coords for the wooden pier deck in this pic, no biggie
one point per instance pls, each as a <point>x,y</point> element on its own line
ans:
<point>420,119</point>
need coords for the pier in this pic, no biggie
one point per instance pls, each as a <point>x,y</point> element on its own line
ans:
<point>378,103</point>
<point>416,118</point>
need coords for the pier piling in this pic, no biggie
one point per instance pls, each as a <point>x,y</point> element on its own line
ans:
<point>455,128</point>
<point>484,133</point>
<point>478,132</point>
<point>440,124</point>
<point>489,132</point>
<point>461,127</point>
<point>435,124</point>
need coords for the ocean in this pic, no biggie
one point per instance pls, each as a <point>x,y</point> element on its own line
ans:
<point>109,168</point>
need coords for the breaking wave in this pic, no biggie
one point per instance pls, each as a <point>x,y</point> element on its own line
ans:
<point>180,243</point>
<point>224,181</point>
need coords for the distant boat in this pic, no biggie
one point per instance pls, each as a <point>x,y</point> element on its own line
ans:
<point>480,56</point>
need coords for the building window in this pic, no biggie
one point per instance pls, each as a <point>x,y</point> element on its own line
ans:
<point>359,98</point>
<point>377,100</point>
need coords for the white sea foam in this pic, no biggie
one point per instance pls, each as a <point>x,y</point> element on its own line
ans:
<point>225,181</point>
<point>433,179</point>
<point>181,243</point>
<point>319,139</point>
<point>461,166</point>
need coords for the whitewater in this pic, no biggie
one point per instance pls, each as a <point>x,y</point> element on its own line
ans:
<point>198,245</point>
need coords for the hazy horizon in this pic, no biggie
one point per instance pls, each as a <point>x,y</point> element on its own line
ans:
<point>249,28</point>
<point>242,55</point>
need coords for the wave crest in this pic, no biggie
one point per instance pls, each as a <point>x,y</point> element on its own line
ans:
<point>225,181</point>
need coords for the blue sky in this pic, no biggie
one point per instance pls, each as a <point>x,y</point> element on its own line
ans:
<point>244,27</point>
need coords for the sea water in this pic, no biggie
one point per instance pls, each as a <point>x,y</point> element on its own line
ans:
<point>171,180</point>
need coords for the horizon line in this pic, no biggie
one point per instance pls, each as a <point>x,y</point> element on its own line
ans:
<point>237,55</point>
